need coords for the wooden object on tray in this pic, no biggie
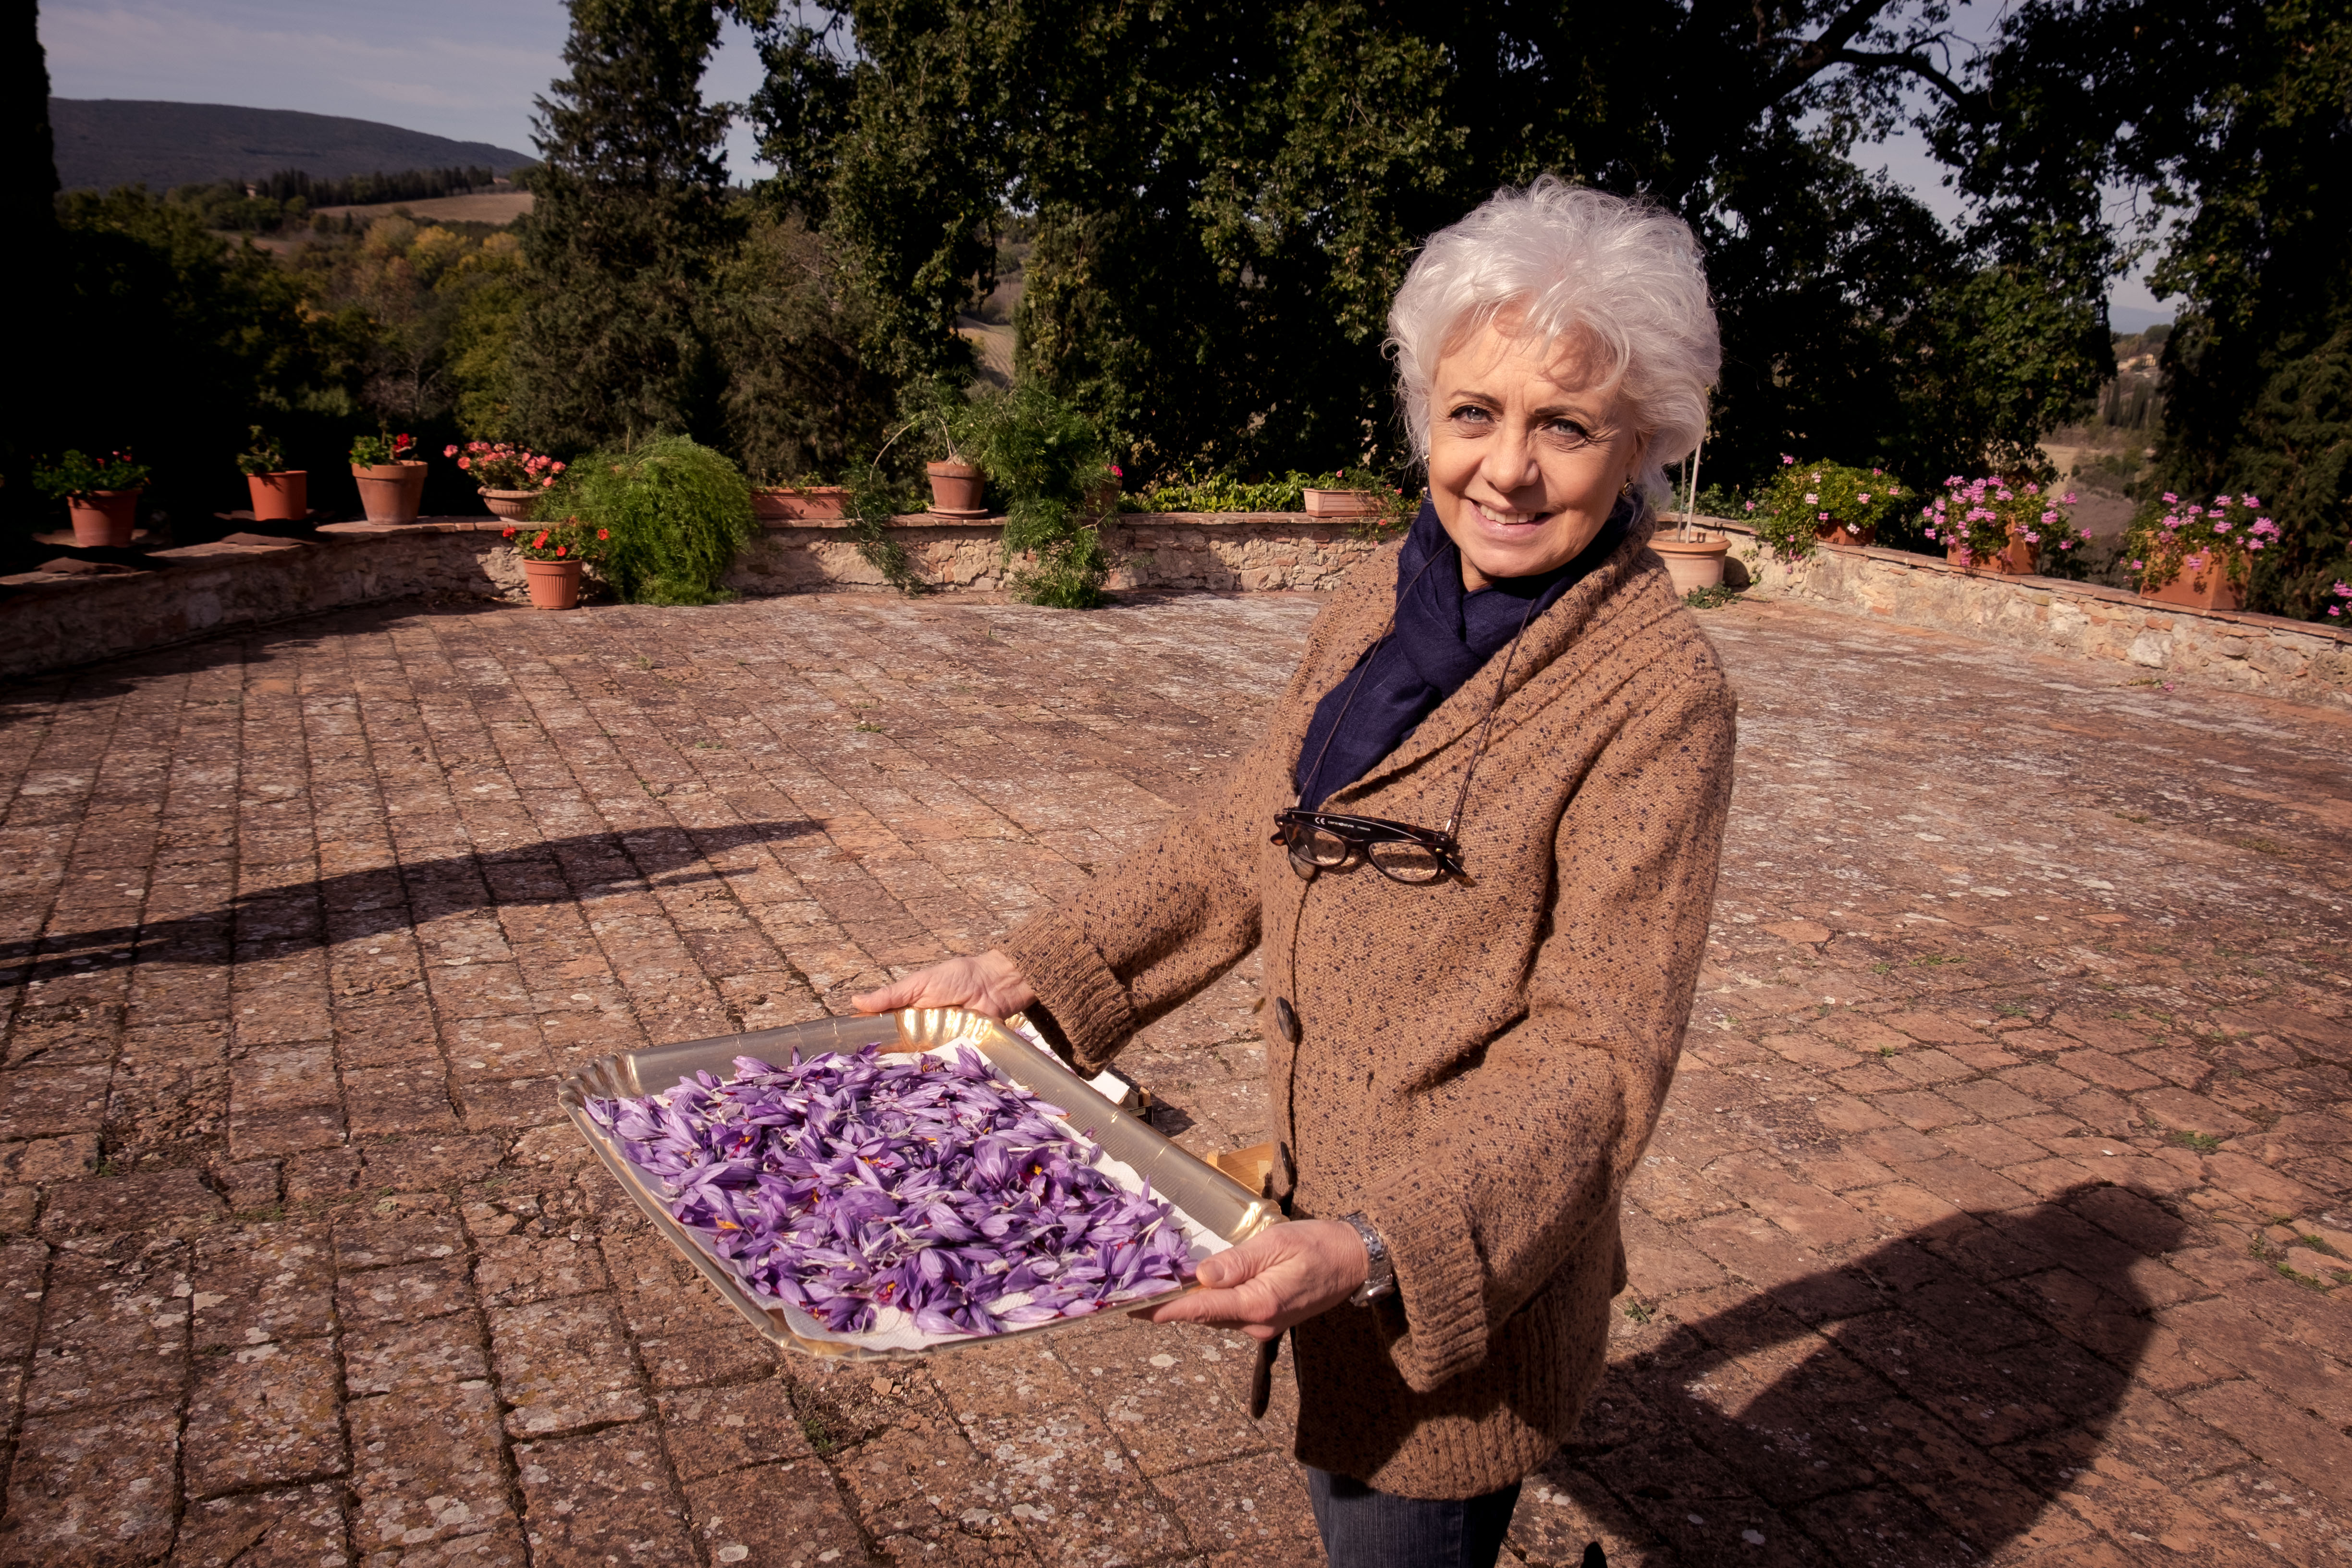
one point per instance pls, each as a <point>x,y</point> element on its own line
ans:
<point>1253,1167</point>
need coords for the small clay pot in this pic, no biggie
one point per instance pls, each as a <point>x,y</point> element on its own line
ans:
<point>389,492</point>
<point>1838,534</point>
<point>802,503</point>
<point>104,518</point>
<point>1343,503</point>
<point>1692,564</point>
<point>2208,588</point>
<point>512,505</point>
<point>282,496</point>
<point>2017,561</point>
<point>956,488</point>
<point>554,584</point>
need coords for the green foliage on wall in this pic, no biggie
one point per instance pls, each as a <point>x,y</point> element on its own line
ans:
<point>678,514</point>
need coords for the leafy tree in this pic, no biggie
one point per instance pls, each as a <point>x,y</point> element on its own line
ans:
<point>2231,121</point>
<point>629,229</point>
<point>800,397</point>
<point>181,340</point>
<point>1226,197</point>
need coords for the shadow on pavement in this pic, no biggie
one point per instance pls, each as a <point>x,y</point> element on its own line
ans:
<point>1916,1406</point>
<point>279,921</point>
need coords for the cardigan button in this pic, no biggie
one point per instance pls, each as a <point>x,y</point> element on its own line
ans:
<point>1286,1019</point>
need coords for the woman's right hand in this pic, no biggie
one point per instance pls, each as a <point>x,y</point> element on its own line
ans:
<point>988,984</point>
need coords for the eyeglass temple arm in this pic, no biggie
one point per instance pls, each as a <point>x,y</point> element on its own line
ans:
<point>1462,796</point>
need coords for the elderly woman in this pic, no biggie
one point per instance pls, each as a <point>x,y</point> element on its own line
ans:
<point>1477,846</point>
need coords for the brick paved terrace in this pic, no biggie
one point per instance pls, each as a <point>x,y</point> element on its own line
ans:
<point>2001,1213</point>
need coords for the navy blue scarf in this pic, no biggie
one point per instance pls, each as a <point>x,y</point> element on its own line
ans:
<point>1443,635</point>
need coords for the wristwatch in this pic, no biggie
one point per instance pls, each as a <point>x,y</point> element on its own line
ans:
<point>1379,1278</point>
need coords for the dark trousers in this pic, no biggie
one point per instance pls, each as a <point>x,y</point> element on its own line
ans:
<point>1366,1529</point>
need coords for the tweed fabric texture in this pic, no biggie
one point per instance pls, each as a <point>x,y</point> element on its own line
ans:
<point>1479,1065</point>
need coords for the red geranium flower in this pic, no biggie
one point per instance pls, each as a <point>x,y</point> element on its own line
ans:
<point>509,533</point>
<point>560,548</point>
<point>604,533</point>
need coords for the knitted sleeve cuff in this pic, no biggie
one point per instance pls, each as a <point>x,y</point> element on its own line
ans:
<point>1441,1279</point>
<point>1075,983</point>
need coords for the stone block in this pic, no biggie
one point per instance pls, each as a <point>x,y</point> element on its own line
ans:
<point>263,1415</point>
<point>564,1365</point>
<point>605,1496</point>
<point>426,1467</point>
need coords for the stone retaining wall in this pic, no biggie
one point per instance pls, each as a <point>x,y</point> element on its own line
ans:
<point>1199,552</point>
<point>2278,657</point>
<point>51,620</point>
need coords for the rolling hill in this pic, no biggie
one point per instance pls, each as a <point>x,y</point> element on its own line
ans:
<point>108,141</point>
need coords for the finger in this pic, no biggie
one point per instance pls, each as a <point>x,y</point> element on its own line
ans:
<point>888,999</point>
<point>1222,1308</point>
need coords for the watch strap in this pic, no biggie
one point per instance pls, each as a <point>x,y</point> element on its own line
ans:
<point>1379,1277</point>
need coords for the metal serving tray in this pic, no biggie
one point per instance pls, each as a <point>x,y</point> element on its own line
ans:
<point>1210,1196</point>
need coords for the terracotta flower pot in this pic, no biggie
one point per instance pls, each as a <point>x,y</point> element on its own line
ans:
<point>2017,561</point>
<point>955,489</point>
<point>512,505</point>
<point>799,503</point>
<point>1343,503</point>
<point>282,497</point>
<point>1839,534</point>
<point>104,518</point>
<point>2207,587</point>
<point>1692,564</point>
<point>389,492</point>
<point>554,584</point>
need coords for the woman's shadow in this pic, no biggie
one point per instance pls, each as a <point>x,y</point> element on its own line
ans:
<point>1917,1406</point>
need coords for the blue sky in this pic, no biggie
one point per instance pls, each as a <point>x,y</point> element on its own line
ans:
<point>470,69</point>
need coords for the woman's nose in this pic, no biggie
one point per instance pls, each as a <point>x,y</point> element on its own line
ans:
<point>1510,460</point>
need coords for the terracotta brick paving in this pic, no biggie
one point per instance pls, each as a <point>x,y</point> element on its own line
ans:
<point>2001,1211</point>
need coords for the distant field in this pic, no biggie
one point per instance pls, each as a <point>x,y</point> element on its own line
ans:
<point>482,207</point>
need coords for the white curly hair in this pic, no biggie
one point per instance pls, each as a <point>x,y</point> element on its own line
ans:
<point>1563,259</point>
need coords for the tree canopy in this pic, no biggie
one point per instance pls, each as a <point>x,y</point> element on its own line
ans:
<point>1225,199</point>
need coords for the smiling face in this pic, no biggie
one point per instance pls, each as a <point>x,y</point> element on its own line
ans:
<point>1528,450</point>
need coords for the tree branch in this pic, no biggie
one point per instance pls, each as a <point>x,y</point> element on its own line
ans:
<point>1815,54</point>
<point>1970,104</point>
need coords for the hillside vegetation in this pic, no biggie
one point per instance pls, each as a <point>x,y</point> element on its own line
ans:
<point>109,142</point>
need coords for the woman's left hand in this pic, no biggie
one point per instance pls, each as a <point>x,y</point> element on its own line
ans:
<point>1284,1274</point>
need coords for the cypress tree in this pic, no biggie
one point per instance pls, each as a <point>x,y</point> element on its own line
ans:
<point>32,219</point>
<point>629,228</point>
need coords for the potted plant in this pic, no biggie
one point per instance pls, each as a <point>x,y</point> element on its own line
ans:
<point>1694,557</point>
<point>101,495</point>
<point>1999,525</point>
<point>280,494</point>
<point>808,498</point>
<point>1812,504</point>
<point>390,481</point>
<point>2198,556</point>
<point>553,558</point>
<point>511,478</point>
<point>956,426</point>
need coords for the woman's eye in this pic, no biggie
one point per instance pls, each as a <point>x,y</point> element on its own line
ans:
<point>1470,413</point>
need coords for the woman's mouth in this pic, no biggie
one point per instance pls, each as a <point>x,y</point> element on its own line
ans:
<point>1514,521</point>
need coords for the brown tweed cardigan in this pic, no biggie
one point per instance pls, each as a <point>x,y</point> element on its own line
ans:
<point>1479,1067</point>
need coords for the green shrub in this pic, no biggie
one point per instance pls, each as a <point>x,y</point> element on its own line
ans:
<point>1197,492</point>
<point>677,511</point>
<point>75,474</point>
<point>1804,498</point>
<point>1045,458</point>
